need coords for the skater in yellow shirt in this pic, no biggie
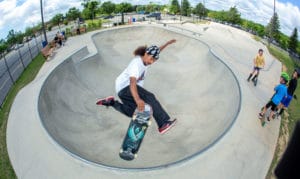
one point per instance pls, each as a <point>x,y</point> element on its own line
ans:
<point>259,63</point>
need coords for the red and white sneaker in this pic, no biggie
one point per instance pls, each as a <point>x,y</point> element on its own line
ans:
<point>167,126</point>
<point>108,101</point>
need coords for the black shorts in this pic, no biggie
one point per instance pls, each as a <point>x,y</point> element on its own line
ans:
<point>257,68</point>
<point>272,105</point>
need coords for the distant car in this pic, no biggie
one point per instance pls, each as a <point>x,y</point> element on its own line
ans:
<point>108,17</point>
<point>155,14</point>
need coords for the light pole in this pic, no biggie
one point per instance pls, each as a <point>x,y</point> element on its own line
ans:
<point>43,24</point>
<point>180,9</point>
<point>274,6</point>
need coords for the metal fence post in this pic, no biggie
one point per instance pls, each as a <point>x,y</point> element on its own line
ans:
<point>36,44</point>
<point>8,70</point>
<point>21,58</point>
<point>29,51</point>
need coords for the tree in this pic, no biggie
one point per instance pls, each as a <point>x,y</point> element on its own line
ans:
<point>107,7</point>
<point>90,9</point>
<point>73,14</point>
<point>293,43</point>
<point>200,10</point>
<point>140,9</point>
<point>11,38</point>
<point>3,46</point>
<point>57,19</point>
<point>218,15</point>
<point>151,7</point>
<point>272,29</point>
<point>186,8</point>
<point>124,7</point>
<point>233,16</point>
<point>175,7</point>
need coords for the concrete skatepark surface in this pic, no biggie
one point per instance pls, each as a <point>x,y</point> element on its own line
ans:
<point>64,138</point>
<point>194,86</point>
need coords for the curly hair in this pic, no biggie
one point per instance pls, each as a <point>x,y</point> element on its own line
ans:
<point>140,51</point>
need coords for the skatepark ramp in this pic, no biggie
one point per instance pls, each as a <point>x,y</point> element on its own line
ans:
<point>191,83</point>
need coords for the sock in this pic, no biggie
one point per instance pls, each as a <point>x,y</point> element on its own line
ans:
<point>249,77</point>
<point>255,76</point>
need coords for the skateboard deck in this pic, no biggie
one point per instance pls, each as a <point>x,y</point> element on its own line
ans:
<point>265,118</point>
<point>135,133</point>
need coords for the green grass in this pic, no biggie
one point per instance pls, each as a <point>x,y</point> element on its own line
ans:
<point>6,170</point>
<point>293,110</point>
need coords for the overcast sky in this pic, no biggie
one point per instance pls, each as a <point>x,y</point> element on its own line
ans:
<point>19,14</point>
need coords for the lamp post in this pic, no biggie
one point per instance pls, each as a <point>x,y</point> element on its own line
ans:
<point>274,6</point>
<point>180,9</point>
<point>43,24</point>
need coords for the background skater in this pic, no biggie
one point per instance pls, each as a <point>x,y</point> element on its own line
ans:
<point>259,63</point>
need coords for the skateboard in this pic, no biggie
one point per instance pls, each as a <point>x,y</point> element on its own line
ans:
<point>136,133</point>
<point>266,117</point>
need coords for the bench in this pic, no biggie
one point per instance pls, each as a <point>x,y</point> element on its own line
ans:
<point>78,31</point>
<point>47,51</point>
<point>82,29</point>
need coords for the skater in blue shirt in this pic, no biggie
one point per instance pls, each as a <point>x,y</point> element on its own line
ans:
<point>280,93</point>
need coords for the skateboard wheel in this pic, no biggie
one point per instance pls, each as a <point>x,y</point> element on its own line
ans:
<point>135,155</point>
<point>133,117</point>
<point>121,150</point>
<point>149,123</point>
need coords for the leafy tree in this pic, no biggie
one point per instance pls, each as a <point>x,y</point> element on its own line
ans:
<point>57,19</point>
<point>151,7</point>
<point>218,15</point>
<point>3,46</point>
<point>200,10</point>
<point>90,9</point>
<point>140,8</point>
<point>175,7</point>
<point>85,3</point>
<point>86,14</point>
<point>29,31</point>
<point>258,29</point>
<point>283,41</point>
<point>108,7</point>
<point>124,7</point>
<point>11,37</point>
<point>294,41</point>
<point>73,14</point>
<point>272,29</point>
<point>186,8</point>
<point>233,16</point>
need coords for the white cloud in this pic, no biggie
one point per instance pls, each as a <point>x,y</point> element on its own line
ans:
<point>18,15</point>
<point>28,13</point>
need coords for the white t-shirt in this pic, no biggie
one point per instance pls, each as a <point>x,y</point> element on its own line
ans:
<point>137,69</point>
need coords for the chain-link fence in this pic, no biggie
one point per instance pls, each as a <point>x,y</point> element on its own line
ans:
<point>14,63</point>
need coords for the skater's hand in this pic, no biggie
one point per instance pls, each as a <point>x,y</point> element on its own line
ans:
<point>140,105</point>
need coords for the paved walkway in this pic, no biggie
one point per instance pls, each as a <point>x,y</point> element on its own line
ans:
<point>245,150</point>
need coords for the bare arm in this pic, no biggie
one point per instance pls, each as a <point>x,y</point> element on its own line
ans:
<point>134,91</point>
<point>166,44</point>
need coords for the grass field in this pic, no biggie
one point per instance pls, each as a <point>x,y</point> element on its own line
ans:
<point>6,170</point>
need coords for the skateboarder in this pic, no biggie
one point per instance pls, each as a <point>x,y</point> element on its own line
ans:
<point>129,87</point>
<point>290,92</point>
<point>280,93</point>
<point>259,63</point>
